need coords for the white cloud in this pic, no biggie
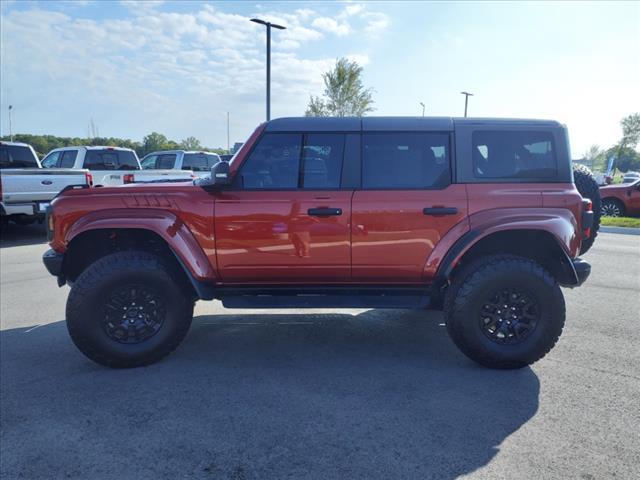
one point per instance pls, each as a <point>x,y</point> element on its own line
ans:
<point>141,7</point>
<point>352,9</point>
<point>332,26</point>
<point>376,22</point>
<point>159,70</point>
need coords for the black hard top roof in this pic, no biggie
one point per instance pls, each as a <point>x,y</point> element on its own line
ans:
<point>357,124</point>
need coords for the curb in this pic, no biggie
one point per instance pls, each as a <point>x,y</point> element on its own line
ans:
<point>622,230</point>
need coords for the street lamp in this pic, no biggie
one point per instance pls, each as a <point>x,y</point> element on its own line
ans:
<point>279,27</point>
<point>422,108</point>
<point>466,100</point>
<point>10,129</point>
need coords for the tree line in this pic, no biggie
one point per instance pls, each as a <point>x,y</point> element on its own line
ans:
<point>43,144</point>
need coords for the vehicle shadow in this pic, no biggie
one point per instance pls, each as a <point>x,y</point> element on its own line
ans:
<point>12,235</point>
<point>382,394</point>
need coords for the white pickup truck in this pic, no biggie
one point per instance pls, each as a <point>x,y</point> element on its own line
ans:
<point>25,188</point>
<point>199,163</point>
<point>109,166</point>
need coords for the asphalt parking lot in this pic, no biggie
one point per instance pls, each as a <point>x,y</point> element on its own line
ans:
<point>328,394</point>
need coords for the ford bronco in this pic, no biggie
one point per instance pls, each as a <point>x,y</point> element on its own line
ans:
<point>479,217</point>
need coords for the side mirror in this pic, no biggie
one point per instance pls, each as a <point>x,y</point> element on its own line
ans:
<point>220,174</point>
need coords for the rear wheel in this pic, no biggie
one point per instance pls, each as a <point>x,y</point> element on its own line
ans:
<point>612,207</point>
<point>588,188</point>
<point>126,310</point>
<point>504,311</point>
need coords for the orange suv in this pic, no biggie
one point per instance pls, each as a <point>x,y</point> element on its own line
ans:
<point>479,217</point>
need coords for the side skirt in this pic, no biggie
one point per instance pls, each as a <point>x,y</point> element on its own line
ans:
<point>324,297</point>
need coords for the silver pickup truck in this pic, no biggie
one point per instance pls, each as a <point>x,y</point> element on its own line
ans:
<point>198,162</point>
<point>25,188</point>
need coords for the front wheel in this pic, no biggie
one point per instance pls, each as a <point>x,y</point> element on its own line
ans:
<point>504,311</point>
<point>126,310</point>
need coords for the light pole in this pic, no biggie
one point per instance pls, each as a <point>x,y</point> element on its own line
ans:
<point>228,133</point>
<point>10,129</point>
<point>466,100</point>
<point>279,27</point>
<point>422,108</point>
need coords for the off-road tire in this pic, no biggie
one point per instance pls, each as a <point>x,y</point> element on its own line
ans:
<point>611,204</point>
<point>476,282</point>
<point>588,188</point>
<point>86,304</point>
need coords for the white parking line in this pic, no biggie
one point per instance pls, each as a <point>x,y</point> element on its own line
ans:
<point>295,323</point>
<point>32,328</point>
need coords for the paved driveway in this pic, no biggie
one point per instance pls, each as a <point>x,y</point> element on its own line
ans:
<point>326,395</point>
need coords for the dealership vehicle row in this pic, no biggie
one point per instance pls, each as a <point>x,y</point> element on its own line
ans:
<point>27,185</point>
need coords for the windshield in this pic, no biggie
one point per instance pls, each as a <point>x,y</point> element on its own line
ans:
<point>111,159</point>
<point>17,156</point>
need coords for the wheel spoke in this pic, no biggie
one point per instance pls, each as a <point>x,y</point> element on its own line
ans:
<point>509,315</point>
<point>133,313</point>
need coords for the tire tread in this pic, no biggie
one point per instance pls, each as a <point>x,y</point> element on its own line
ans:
<point>91,278</point>
<point>469,279</point>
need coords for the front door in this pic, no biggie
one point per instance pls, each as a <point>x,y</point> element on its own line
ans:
<point>406,205</point>
<point>285,219</point>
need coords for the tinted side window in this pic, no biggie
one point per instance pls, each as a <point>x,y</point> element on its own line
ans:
<point>15,156</point>
<point>513,154</point>
<point>274,163</point>
<point>406,160</point>
<point>199,162</point>
<point>68,159</point>
<point>322,158</point>
<point>166,161</point>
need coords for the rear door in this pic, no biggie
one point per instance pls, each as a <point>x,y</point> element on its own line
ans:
<point>406,205</point>
<point>287,217</point>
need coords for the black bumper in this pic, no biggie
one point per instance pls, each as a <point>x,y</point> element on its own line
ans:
<point>53,261</point>
<point>582,269</point>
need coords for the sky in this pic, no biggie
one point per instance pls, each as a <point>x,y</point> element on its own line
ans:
<point>178,67</point>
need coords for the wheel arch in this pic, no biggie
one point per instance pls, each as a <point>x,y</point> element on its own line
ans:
<point>162,233</point>
<point>534,243</point>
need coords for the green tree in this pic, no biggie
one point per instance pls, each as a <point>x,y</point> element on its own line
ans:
<point>596,158</point>
<point>154,141</point>
<point>630,130</point>
<point>344,94</point>
<point>190,143</point>
<point>627,158</point>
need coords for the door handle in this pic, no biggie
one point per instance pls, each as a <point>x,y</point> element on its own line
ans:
<point>440,211</point>
<point>324,212</point>
<point>46,182</point>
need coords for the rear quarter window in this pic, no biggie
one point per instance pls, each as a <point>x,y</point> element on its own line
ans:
<point>16,156</point>
<point>513,154</point>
